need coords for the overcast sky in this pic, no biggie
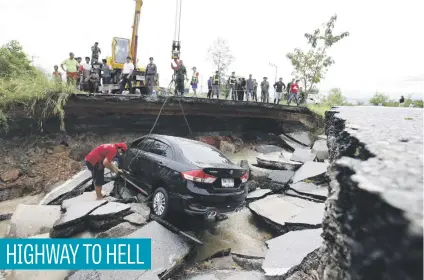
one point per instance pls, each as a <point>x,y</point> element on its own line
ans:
<point>383,53</point>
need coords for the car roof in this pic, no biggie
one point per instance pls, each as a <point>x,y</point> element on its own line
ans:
<point>178,140</point>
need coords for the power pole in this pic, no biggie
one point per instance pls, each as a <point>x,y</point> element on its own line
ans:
<point>276,70</point>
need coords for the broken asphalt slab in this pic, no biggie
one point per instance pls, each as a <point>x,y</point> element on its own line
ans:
<point>310,189</point>
<point>281,176</point>
<point>71,188</point>
<point>300,137</point>
<point>277,161</point>
<point>120,230</point>
<point>303,155</point>
<point>258,194</point>
<point>89,196</point>
<point>310,170</point>
<point>108,215</point>
<point>168,248</point>
<point>266,149</point>
<point>226,275</point>
<point>289,143</point>
<point>288,251</point>
<point>320,149</point>
<point>73,220</point>
<point>29,220</point>
<point>286,213</point>
<point>112,275</point>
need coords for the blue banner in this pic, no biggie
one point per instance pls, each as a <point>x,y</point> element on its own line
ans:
<point>75,254</point>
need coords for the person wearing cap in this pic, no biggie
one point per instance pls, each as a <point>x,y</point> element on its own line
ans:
<point>194,81</point>
<point>126,76</point>
<point>101,157</point>
<point>294,90</point>
<point>95,51</point>
<point>232,86</point>
<point>93,81</point>
<point>151,71</point>
<point>265,90</point>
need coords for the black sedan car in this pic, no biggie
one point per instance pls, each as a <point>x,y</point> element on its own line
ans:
<point>184,175</point>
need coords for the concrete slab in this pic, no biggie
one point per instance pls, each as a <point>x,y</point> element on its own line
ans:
<point>303,155</point>
<point>112,275</point>
<point>136,219</point>
<point>309,188</point>
<point>266,149</point>
<point>288,250</point>
<point>168,248</point>
<point>310,169</point>
<point>227,275</point>
<point>77,212</point>
<point>301,137</point>
<point>257,194</point>
<point>29,220</point>
<point>73,187</point>
<point>283,212</point>
<point>122,229</point>
<point>8,207</point>
<point>281,176</point>
<point>289,143</point>
<point>321,149</point>
<point>108,215</point>
<point>277,161</point>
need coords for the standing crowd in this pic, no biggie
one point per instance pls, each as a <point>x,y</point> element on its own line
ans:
<point>239,89</point>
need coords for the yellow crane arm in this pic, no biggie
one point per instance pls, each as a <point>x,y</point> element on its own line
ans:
<point>134,38</point>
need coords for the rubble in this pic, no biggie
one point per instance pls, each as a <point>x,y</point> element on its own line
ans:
<point>252,185</point>
<point>289,143</point>
<point>71,188</point>
<point>373,226</point>
<point>29,220</point>
<point>266,149</point>
<point>285,213</point>
<point>248,262</point>
<point>277,161</point>
<point>258,194</point>
<point>226,147</point>
<point>10,175</point>
<point>120,230</point>
<point>287,251</point>
<point>314,171</point>
<point>303,155</point>
<point>73,220</point>
<point>320,192</point>
<point>321,150</point>
<point>107,215</point>
<point>300,137</point>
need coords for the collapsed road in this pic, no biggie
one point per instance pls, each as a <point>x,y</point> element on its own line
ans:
<point>125,113</point>
<point>289,229</point>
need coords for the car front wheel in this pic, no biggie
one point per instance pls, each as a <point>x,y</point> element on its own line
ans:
<point>160,202</point>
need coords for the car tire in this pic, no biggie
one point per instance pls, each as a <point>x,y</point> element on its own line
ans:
<point>160,203</point>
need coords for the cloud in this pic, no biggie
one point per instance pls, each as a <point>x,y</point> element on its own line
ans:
<point>419,78</point>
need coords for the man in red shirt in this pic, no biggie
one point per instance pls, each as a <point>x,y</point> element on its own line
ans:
<point>294,90</point>
<point>101,157</point>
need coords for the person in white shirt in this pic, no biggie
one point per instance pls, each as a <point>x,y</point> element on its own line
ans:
<point>126,76</point>
<point>86,71</point>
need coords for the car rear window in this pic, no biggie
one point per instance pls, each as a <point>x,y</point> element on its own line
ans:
<point>202,154</point>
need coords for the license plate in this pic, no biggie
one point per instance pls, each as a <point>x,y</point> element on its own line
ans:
<point>139,78</point>
<point>227,183</point>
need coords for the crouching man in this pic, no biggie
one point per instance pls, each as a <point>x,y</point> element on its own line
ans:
<point>101,157</point>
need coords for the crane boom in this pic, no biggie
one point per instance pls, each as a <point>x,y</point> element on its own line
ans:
<point>134,38</point>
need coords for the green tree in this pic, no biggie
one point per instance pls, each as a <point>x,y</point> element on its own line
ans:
<point>379,98</point>
<point>312,65</point>
<point>418,103</point>
<point>220,54</point>
<point>13,60</point>
<point>335,98</point>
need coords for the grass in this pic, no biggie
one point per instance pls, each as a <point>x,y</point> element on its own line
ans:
<point>34,95</point>
<point>319,109</point>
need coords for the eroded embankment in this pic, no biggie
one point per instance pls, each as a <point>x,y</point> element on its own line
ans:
<point>373,222</point>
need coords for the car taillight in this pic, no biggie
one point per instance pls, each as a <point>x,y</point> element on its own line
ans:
<point>198,176</point>
<point>245,177</point>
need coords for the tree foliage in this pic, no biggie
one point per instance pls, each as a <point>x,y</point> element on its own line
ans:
<point>335,98</point>
<point>221,56</point>
<point>13,60</point>
<point>312,65</point>
<point>379,98</point>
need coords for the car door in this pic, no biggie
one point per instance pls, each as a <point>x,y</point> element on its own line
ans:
<point>138,162</point>
<point>161,153</point>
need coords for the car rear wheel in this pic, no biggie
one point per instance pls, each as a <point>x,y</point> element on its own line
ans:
<point>160,202</point>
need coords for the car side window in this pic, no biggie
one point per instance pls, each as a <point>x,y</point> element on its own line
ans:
<point>145,144</point>
<point>161,149</point>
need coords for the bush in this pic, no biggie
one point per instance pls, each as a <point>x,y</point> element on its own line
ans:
<point>34,95</point>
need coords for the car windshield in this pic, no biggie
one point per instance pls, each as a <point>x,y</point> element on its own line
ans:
<point>202,154</point>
